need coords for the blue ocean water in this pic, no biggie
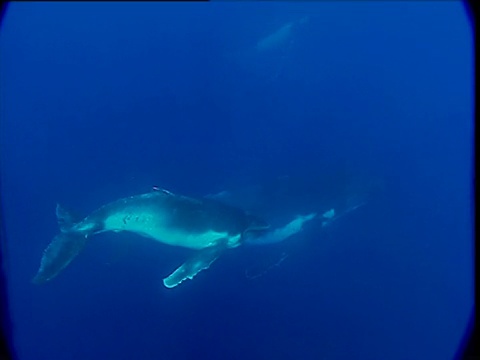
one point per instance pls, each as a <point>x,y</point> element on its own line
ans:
<point>288,106</point>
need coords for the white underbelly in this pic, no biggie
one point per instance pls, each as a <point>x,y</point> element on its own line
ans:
<point>189,240</point>
<point>155,227</point>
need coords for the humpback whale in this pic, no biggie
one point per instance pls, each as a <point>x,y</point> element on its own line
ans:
<point>207,226</point>
<point>280,37</point>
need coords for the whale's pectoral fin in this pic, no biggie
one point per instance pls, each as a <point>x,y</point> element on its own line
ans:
<point>200,261</point>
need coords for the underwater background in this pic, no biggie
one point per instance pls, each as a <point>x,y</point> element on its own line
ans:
<point>290,107</point>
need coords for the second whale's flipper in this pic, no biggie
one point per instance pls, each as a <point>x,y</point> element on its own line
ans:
<point>201,260</point>
<point>282,233</point>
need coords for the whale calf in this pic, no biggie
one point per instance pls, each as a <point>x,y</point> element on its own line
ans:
<point>205,225</point>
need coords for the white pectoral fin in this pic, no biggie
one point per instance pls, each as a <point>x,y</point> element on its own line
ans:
<point>283,233</point>
<point>201,260</point>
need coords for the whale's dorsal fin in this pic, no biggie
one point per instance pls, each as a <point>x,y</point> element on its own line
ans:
<point>201,260</point>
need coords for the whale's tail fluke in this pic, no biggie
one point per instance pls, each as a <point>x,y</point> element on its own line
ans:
<point>61,251</point>
<point>63,248</point>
